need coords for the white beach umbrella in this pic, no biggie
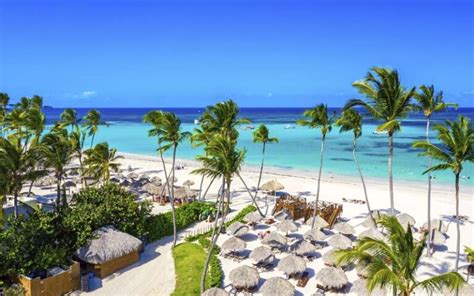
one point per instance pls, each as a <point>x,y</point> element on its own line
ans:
<point>340,241</point>
<point>344,228</point>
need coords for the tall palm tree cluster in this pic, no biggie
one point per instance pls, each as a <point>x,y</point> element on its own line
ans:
<point>30,150</point>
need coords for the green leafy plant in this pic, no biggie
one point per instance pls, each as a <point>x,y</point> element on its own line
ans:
<point>469,253</point>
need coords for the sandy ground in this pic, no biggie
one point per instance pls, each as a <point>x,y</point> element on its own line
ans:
<point>154,273</point>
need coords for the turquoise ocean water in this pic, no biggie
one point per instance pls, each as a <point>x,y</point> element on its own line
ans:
<point>298,147</point>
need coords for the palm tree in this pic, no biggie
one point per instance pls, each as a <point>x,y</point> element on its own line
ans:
<point>393,262</point>
<point>4,99</point>
<point>78,138</point>
<point>351,120</point>
<point>318,117</point>
<point>222,160</point>
<point>171,137</point>
<point>430,102</point>
<point>101,160</point>
<point>58,153</point>
<point>201,137</point>
<point>456,148</point>
<point>92,122</point>
<point>261,135</point>
<point>387,100</point>
<point>69,118</point>
<point>18,166</point>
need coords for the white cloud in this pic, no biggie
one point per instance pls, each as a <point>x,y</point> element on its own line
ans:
<point>88,93</point>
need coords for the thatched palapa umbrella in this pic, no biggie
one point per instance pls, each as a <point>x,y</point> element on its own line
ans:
<point>244,277</point>
<point>184,193</point>
<point>340,241</point>
<point>232,245</point>
<point>372,233</point>
<point>156,180</point>
<point>262,254</point>
<point>107,245</point>
<point>359,288</point>
<point>291,265</point>
<point>405,220</point>
<point>315,235</point>
<point>188,183</point>
<point>377,215</point>
<point>272,186</point>
<point>277,286</point>
<point>132,176</point>
<point>332,278</point>
<point>252,217</point>
<point>275,240</point>
<point>287,226</point>
<point>303,248</point>
<point>436,224</point>
<point>344,228</point>
<point>215,292</point>
<point>438,237</point>
<point>237,229</point>
<point>318,223</point>
<point>152,188</point>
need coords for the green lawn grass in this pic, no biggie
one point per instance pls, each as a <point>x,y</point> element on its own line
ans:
<point>189,261</point>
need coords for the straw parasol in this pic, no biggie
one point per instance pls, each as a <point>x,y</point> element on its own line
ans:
<point>237,229</point>
<point>292,264</point>
<point>318,222</point>
<point>405,220</point>
<point>340,241</point>
<point>372,233</point>
<point>359,288</point>
<point>277,286</point>
<point>215,292</point>
<point>144,177</point>
<point>132,175</point>
<point>438,237</point>
<point>282,215</point>
<point>272,186</point>
<point>275,240</point>
<point>152,188</point>
<point>233,244</point>
<point>183,193</point>
<point>329,258</point>
<point>331,278</point>
<point>188,183</point>
<point>107,245</point>
<point>244,277</point>
<point>252,217</point>
<point>436,224</point>
<point>262,254</point>
<point>156,180</point>
<point>287,226</point>
<point>344,228</point>
<point>315,235</point>
<point>303,248</point>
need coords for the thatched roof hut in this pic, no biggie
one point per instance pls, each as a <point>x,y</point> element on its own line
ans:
<point>108,244</point>
<point>272,186</point>
<point>237,229</point>
<point>303,248</point>
<point>262,254</point>
<point>275,240</point>
<point>292,264</point>
<point>405,220</point>
<point>233,244</point>
<point>252,217</point>
<point>344,228</point>
<point>152,188</point>
<point>436,224</point>
<point>340,241</point>
<point>315,235</point>
<point>183,193</point>
<point>372,233</point>
<point>332,278</point>
<point>359,288</point>
<point>244,277</point>
<point>329,258</point>
<point>188,183</point>
<point>215,292</point>
<point>282,215</point>
<point>277,286</point>
<point>318,222</point>
<point>287,226</point>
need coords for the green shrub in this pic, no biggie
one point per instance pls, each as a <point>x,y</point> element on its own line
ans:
<point>215,270</point>
<point>161,225</point>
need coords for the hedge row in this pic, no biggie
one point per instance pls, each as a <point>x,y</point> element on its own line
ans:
<point>215,274</point>
<point>238,218</point>
<point>161,225</point>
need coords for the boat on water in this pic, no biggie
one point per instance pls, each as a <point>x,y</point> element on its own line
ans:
<point>196,121</point>
<point>289,126</point>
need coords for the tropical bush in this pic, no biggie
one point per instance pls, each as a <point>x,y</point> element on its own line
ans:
<point>161,225</point>
<point>215,270</point>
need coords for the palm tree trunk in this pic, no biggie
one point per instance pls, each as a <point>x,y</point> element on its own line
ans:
<point>200,188</point>
<point>173,211</point>
<point>390,175</point>
<point>92,140</point>
<point>458,228</point>
<point>428,241</point>
<point>214,237</point>
<point>58,189</point>
<point>261,170</point>
<point>362,179</point>
<point>207,189</point>
<point>319,180</point>
<point>251,196</point>
<point>165,171</point>
<point>15,203</point>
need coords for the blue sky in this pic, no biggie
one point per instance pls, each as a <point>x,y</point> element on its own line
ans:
<point>261,53</point>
